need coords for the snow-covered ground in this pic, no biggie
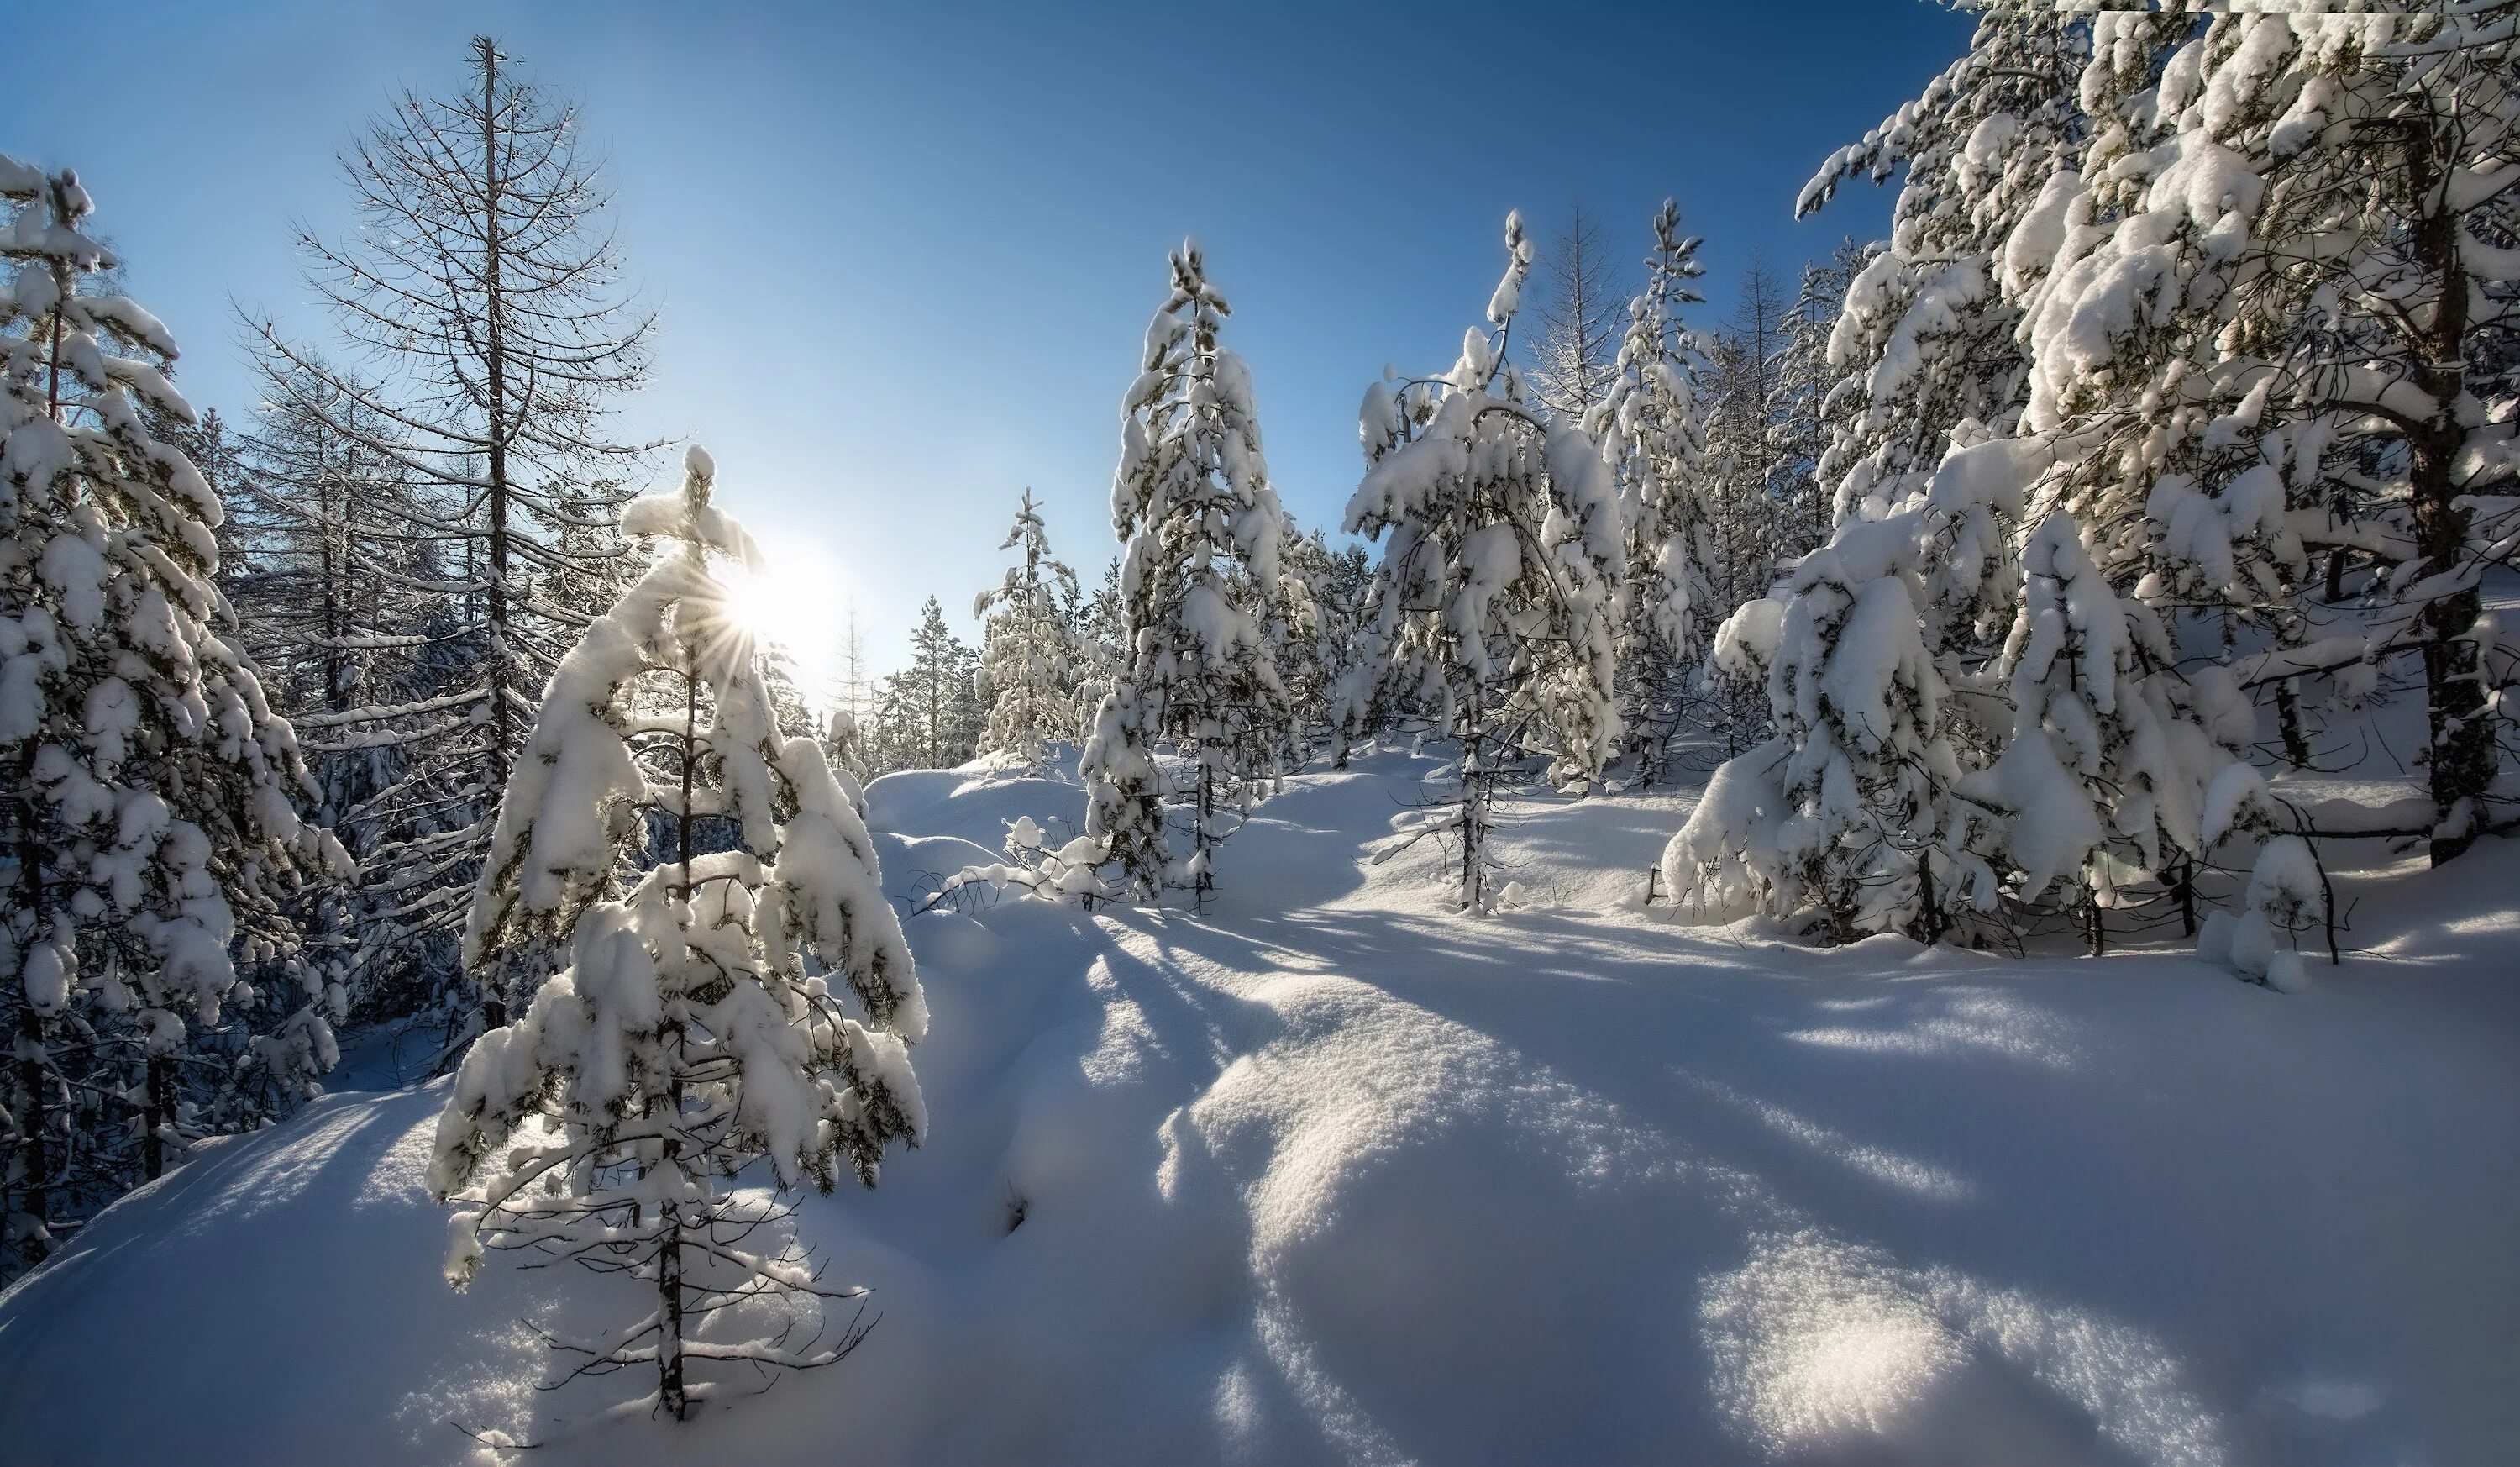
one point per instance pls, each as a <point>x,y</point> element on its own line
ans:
<point>1331,1174</point>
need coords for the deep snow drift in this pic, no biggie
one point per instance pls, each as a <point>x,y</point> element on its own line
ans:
<point>1330,1175</point>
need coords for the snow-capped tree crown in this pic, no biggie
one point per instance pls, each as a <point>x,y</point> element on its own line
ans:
<point>1029,652</point>
<point>1501,541</point>
<point>1200,590</point>
<point>749,996</point>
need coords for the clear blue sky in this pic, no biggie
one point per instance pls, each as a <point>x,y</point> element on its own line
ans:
<point>905,255</point>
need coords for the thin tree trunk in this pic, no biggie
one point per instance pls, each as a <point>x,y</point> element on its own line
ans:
<point>1933,913</point>
<point>2462,766</point>
<point>1474,776</point>
<point>2296,744</point>
<point>671,1389</point>
<point>32,1111</point>
<point>334,563</point>
<point>157,1115</point>
<point>35,1186</point>
<point>1204,845</point>
<point>495,370</point>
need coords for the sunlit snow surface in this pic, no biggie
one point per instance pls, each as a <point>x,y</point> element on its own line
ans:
<point>1331,1174</point>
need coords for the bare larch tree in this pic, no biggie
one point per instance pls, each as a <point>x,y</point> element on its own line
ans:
<point>484,336</point>
<point>1582,315</point>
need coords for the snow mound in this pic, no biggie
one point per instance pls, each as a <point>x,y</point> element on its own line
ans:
<point>1330,1175</point>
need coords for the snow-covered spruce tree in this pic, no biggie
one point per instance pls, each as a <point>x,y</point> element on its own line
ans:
<point>1028,648</point>
<point>480,305</point>
<point>1191,502</point>
<point>719,1008</point>
<point>1492,608</point>
<point>149,830</point>
<point>217,455</point>
<point>928,714</point>
<point>2279,320</point>
<point>1650,423</point>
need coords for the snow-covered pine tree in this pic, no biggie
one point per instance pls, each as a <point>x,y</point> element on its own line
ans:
<point>2287,889</point>
<point>217,455</point>
<point>1193,504</point>
<point>1925,342</point>
<point>2288,282</point>
<point>1650,423</point>
<point>1323,620</point>
<point>148,833</point>
<point>484,293</point>
<point>1028,648</point>
<point>1492,608</point>
<point>1848,819</point>
<point>1845,819</point>
<point>2102,782</point>
<point>1124,793</point>
<point>852,692</point>
<point>928,714</point>
<point>720,1007</point>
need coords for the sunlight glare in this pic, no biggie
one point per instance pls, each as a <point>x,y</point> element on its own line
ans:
<point>794,605</point>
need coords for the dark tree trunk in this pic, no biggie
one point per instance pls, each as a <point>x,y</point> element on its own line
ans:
<point>35,1181</point>
<point>157,1115</point>
<point>2296,744</point>
<point>495,395</point>
<point>31,1109</point>
<point>2462,739</point>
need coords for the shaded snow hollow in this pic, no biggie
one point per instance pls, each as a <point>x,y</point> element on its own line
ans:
<point>1331,1175</point>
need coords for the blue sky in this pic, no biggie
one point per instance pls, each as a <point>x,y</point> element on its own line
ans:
<point>904,255</point>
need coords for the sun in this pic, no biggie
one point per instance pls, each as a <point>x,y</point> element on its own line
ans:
<point>795,603</point>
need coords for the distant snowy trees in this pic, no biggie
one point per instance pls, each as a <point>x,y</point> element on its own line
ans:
<point>747,998</point>
<point>1320,624</point>
<point>929,715</point>
<point>1199,586</point>
<point>479,304</point>
<point>151,834</point>
<point>1028,656</point>
<point>1491,614</point>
